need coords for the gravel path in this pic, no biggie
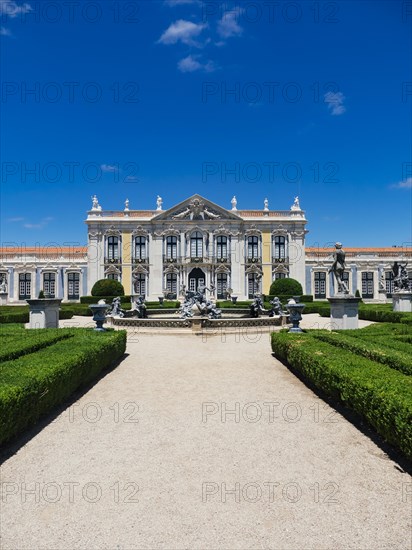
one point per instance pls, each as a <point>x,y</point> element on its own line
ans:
<point>195,443</point>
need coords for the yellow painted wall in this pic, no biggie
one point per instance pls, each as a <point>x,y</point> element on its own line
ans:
<point>266,262</point>
<point>127,261</point>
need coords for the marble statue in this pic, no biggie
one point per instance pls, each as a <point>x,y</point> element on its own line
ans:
<point>295,205</point>
<point>400,277</point>
<point>140,307</point>
<point>198,298</point>
<point>115,308</point>
<point>338,268</point>
<point>276,307</point>
<point>266,205</point>
<point>126,204</point>
<point>95,203</point>
<point>3,285</point>
<point>234,203</point>
<point>256,307</point>
<point>159,202</point>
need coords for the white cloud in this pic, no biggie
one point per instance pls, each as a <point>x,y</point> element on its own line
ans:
<point>14,220</point>
<point>334,101</point>
<point>191,64</point>
<point>108,168</point>
<point>12,9</point>
<point>229,26</point>
<point>182,31</point>
<point>405,184</point>
<point>38,225</point>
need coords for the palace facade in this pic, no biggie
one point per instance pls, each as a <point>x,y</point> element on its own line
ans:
<point>159,252</point>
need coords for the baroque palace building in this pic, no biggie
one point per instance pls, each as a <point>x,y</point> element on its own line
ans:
<point>160,252</point>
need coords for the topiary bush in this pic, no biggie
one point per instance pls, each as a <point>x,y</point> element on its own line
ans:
<point>289,287</point>
<point>107,287</point>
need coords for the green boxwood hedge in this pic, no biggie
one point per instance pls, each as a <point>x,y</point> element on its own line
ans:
<point>379,394</point>
<point>107,287</point>
<point>34,384</point>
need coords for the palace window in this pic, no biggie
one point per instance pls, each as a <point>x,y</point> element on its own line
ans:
<point>221,248</point>
<point>113,276</point>
<point>140,284</point>
<point>280,276</point>
<point>367,284</point>
<point>320,284</point>
<point>171,283</point>
<point>24,286</point>
<point>221,286</point>
<point>140,248</point>
<point>73,286</point>
<point>253,248</point>
<point>253,285</point>
<point>196,245</point>
<point>389,283</point>
<point>49,284</point>
<point>171,248</point>
<point>112,248</point>
<point>279,248</point>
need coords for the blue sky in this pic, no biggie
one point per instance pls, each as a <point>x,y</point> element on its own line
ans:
<point>253,99</point>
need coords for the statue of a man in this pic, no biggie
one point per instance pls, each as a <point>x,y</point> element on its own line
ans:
<point>95,203</point>
<point>266,205</point>
<point>338,268</point>
<point>159,202</point>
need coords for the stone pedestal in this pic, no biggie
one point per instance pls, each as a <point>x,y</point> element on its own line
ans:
<point>3,298</point>
<point>344,312</point>
<point>402,301</point>
<point>44,313</point>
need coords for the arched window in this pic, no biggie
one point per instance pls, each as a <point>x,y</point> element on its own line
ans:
<point>171,248</point>
<point>279,248</point>
<point>73,286</point>
<point>49,284</point>
<point>253,248</point>
<point>140,284</point>
<point>320,284</point>
<point>196,245</point>
<point>253,285</point>
<point>221,248</point>
<point>24,286</point>
<point>113,249</point>
<point>140,248</point>
<point>171,283</point>
<point>221,286</point>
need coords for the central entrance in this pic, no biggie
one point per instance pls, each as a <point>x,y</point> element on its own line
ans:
<point>196,278</point>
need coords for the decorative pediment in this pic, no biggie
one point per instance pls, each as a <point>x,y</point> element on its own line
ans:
<point>25,267</point>
<point>280,231</point>
<point>140,231</point>
<point>194,209</point>
<point>170,231</point>
<point>112,231</point>
<point>112,270</point>
<point>254,269</point>
<point>253,231</point>
<point>222,268</point>
<point>171,269</point>
<point>50,268</point>
<point>140,269</point>
<point>222,230</point>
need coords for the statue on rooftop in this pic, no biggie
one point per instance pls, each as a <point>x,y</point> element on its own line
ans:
<point>266,205</point>
<point>338,268</point>
<point>159,202</point>
<point>95,203</point>
<point>296,205</point>
<point>234,203</point>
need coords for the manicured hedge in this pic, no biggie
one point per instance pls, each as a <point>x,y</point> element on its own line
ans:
<point>107,287</point>
<point>34,384</point>
<point>380,395</point>
<point>22,315</point>
<point>287,286</point>
<point>396,359</point>
<point>15,345</point>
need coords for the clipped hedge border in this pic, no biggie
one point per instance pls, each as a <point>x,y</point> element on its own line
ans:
<point>395,359</point>
<point>23,316</point>
<point>380,395</point>
<point>32,385</point>
<point>13,346</point>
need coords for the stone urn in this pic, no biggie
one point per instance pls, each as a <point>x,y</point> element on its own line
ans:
<point>99,314</point>
<point>295,314</point>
